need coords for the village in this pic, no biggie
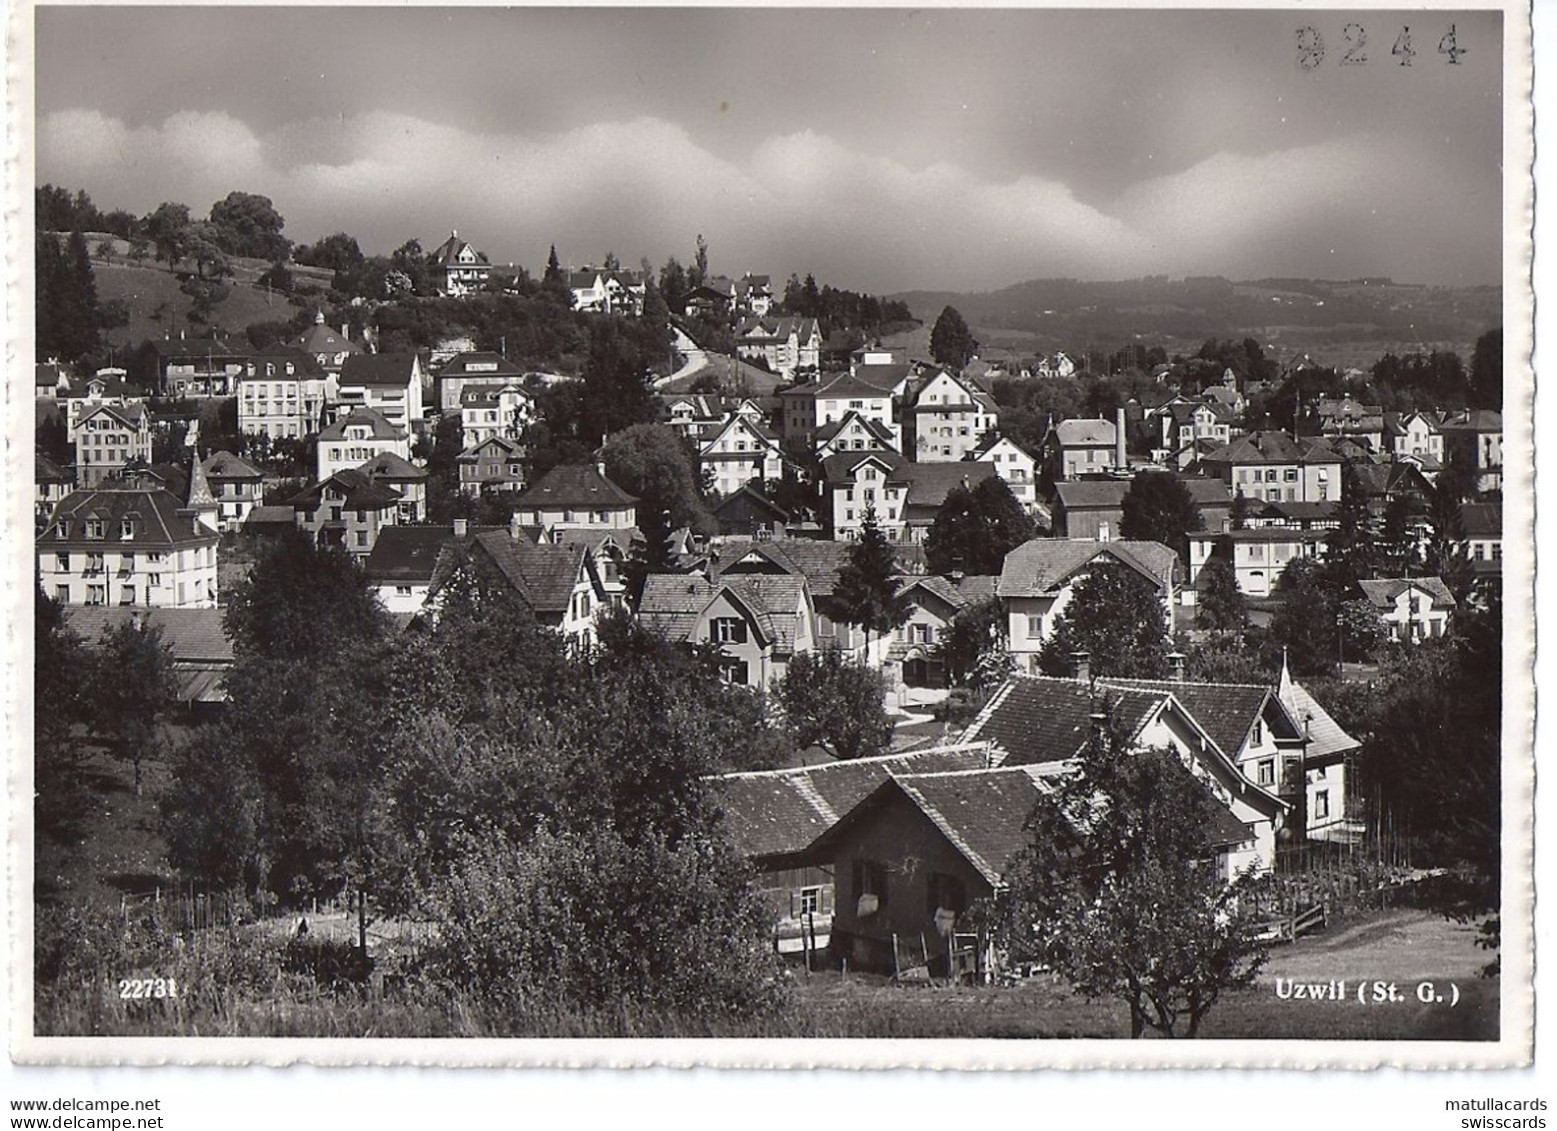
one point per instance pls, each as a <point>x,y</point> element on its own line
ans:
<point>942,585</point>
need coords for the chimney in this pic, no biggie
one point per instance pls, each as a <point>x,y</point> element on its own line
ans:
<point>461,528</point>
<point>1120,460</point>
<point>1176,666</point>
<point>1102,531</point>
<point>600,467</point>
<point>1081,666</point>
<point>135,620</point>
<point>513,526</point>
<point>346,330</point>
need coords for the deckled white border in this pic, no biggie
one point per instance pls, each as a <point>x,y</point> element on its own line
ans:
<point>1513,1049</point>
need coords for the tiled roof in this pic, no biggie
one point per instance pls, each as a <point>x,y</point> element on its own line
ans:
<point>225,465</point>
<point>196,348</point>
<point>672,603</point>
<point>839,467</point>
<point>958,593</point>
<point>382,428</point>
<point>390,370</point>
<point>1482,520</point>
<point>1382,591</point>
<point>748,495</point>
<point>1081,432</point>
<point>983,813</point>
<point>460,366</point>
<point>1326,739</point>
<point>131,415</point>
<point>1225,711</point>
<point>1317,511</point>
<point>930,483</point>
<point>582,486</point>
<point>158,524</point>
<point>544,574</point>
<point>268,515</point>
<point>447,253</point>
<point>1041,565</point>
<point>360,492</point>
<point>993,440</point>
<point>47,374</point>
<point>409,553</point>
<point>1273,447</point>
<point>1477,420</point>
<point>45,470</point>
<point>1037,720</point>
<point>320,339</point>
<point>780,812</point>
<point>392,467</point>
<point>488,396</point>
<point>192,635</point>
<point>1092,494</point>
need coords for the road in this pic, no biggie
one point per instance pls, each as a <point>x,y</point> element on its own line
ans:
<point>694,358</point>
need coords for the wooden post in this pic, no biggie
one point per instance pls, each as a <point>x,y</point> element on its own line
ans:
<point>896,971</point>
<point>924,951</point>
<point>362,923</point>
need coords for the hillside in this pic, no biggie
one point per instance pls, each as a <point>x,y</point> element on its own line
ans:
<point>1336,322</point>
<point>149,291</point>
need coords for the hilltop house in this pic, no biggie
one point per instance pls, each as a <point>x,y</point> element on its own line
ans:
<point>328,349</point>
<point>601,291</point>
<point>200,367</point>
<point>460,268</point>
<point>787,346</point>
<point>472,369</point>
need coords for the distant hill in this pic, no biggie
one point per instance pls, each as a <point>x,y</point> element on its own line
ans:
<point>1336,321</point>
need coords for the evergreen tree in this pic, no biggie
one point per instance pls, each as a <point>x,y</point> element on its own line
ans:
<point>1397,544</point>
<point>1219,603</point>
<point>1306,627</point>
<point>1350,547</point>
<point>1116,616</point>
<point>867,589</point>
<point>1446,557</point>
<point>699,273</point>
<point>1486,377</point>
<point>951,342</point>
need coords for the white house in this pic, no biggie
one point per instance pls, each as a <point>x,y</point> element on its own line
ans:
<point>282,394</point>
<point>1258,555</point>
<point>1039,578</point>
<point>1414,608</point>
<point>947,418</point>
<point>109,436</point>
<point>357,438</point>
<point>494,412</point>
<point>389,383</point>
<point>1015,464</point>
<point>462,269</point>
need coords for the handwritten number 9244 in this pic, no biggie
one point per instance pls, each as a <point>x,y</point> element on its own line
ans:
<point>1311,47</point>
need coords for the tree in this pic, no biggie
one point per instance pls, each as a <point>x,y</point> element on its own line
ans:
<point>867,590</point>
<point>300,600</point>
<point>132,687</point>
<point>973,647</point>
<point>1220,604</point>
<point>65,302</point>
<point>1350,550</point>
<point>60,679</point>
<point>1396,548</point>
<point>1486,376</point>
<point>248,224</point>
<point>1159,508</point>
<point>653,463</point>
<point>674,285</point>
<point>1117,617</point>
<point>1304,627</point>
<point>951,342</point>
<point>338,252</point>
<point>836,703</point>
<point>166,228</point>
<point>975,529</point>
<point>1446,558</point>
<point>699,273</point>
<point>1115,892</point>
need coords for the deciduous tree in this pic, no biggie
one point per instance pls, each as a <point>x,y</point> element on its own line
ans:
<point>836,703</point>
<point>951,342</point>
<point>1219,603</point>
<point>1116,616</point>
<point>975,529</point>
<point>1159,508</point>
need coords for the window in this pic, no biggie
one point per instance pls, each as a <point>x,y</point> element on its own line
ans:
<point>62,594</point>
<point>126,528</point>
<point>1292,475</point>
<point>155,557</point>
<point>154,580</point>
<point>94,563</point>
<point>732,671</point>
<point>1265,772</point>
<point>1257,736</point>
<point>402,591</point>
<point>808,901</point>
<point>1034,627</point>
<point>870,879</point>
<point>945,892</point>
<point>362,539</point>
<point>127,595</point>
<point>1321,803</point>
<point>728,630</point>
<point>94,528</point>
<point>97,595</point>
<point>362,515</point>
<point>126,564</point>
<point>62,562</point>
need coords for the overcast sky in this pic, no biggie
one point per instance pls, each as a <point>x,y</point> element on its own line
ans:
<point>883,150</point>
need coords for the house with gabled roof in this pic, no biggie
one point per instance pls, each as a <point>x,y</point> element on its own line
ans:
<point>576,496</point>
<point>460,268</point>
<point>494,463</point>
<point>196,639</point>
<point>346,510</point>
<point>748,512</point>
<point>1475,437</point>
<point>405,558</point>
<point>854,433</point>
<point>1039,578</point>
<point>754,293</point>
<point>126,545</point>
<point>1094,508</point>
<point>392,470</point>
<point>50,379</point>
<point>774,816</point>
<point>714,299</point>
<point>1082,446</point>
<point>1017,466</point>
<point>356,438</point>
<point>108,437</point>
<point>200,367</point>
<point>1346,417</point>
<point>80,395</point>
<point>237,487</point>
<point>909,654</point>
<point>870,391</point>
<point>598,290</point>
<point>1414,609</point>
<point>488,411</point>
<point>389,383</point>
<point>760,623</point>
<point>1482,525</point>
<point>906,496</point>
<point>1414,434</point>
<point>557,583</point>
<point>946,417</point>
<point>742,450</point>
<point>1048,721</point>
<point>786,345</point>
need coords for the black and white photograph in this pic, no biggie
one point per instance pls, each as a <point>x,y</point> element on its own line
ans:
<point>774,524</point>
